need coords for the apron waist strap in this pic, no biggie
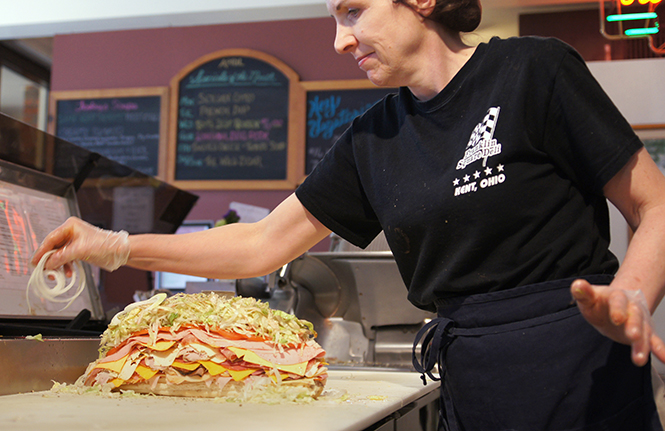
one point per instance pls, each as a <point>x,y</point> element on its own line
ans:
<point>435,338</point>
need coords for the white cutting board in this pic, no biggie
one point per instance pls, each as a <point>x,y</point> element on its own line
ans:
<point>369,397</point>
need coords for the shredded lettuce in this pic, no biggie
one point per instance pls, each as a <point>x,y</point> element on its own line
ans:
<point>257,390</point>
<point>79,388</point>
<point>262,390</point>
<point>247,317</point>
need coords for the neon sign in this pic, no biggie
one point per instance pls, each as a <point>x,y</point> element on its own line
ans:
<point>642,2</point>
<point>631,16</point>
<point>628,19</point>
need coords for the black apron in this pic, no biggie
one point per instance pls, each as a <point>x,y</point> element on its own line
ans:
<point>525,359</point>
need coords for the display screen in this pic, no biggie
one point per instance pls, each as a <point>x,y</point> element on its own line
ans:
<point>31,206</point>
<point>26,217</point>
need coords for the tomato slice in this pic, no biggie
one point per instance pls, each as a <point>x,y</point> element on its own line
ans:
<point>230,335</point>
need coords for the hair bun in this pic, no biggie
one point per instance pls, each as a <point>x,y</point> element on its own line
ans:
<point>458,15</point>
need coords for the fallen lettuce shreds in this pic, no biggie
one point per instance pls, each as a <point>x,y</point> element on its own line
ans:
<point>79,388</point>
<point>262,390</point>
<point>258,390</point>
<point>244,316</point>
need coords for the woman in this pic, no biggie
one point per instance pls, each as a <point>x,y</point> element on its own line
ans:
<point>488,173</point>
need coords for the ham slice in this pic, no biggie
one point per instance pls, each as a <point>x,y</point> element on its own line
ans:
<point>185,336</point>
<point>262,349</point>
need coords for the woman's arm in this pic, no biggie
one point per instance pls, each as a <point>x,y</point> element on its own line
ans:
<point>622,311</point>
<point>638,192</point>
<point>239,250</point>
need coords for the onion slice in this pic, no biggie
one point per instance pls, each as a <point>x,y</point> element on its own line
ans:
<point>37,283</point>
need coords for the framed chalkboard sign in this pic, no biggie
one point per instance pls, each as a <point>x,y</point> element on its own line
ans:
<point>330,108</point>
<point>128,125</point>
<point>233,116</point>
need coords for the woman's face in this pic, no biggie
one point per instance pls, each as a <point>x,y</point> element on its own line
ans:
<point>384,37</point>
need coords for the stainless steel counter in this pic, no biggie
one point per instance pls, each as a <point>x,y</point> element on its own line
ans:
<point>31,365</point>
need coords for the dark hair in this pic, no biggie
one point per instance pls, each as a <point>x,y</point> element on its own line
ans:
<point>457,15</point>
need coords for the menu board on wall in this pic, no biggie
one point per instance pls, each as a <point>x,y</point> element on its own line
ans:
<point>124,125</point>
<point>231,118</point>
<point>331,106</point>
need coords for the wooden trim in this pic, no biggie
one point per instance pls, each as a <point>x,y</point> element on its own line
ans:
<point>331,85</point>
<point>648,126</point>
<point>345,84</point>
<point>162,92</point>
<point>296,122</point>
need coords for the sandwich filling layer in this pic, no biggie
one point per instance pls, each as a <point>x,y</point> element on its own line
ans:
<point>209,346</point>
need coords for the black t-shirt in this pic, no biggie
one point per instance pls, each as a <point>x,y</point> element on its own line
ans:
<point>494,183</point>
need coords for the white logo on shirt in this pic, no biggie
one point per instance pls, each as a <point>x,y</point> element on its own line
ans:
<point>481,144</point>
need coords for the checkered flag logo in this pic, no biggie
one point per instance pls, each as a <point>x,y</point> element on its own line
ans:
<point>485,131</point>
<point>482,144</point>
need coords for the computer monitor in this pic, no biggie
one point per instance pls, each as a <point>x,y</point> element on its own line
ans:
<point>178,282</point>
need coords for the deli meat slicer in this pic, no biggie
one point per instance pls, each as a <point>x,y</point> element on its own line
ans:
<point>358,304</point>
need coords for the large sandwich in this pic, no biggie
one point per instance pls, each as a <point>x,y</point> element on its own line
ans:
<point>206,345</point>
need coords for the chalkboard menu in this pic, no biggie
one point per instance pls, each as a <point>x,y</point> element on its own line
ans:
<point>125,126</point>
<point>331,110</point>
<point>232,120</point>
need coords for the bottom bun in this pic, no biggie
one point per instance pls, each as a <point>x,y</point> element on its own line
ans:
<point>261,389</point>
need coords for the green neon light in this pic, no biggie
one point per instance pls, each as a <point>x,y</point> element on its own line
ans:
<point>641,31</point>
<point>632,16</point>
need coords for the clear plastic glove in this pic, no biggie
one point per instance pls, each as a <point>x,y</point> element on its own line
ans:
<point>621,315</point>
<point>77,240</point>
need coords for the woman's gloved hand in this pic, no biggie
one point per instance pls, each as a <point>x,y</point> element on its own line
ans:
<point>622,315</point>
<point>77,240</point>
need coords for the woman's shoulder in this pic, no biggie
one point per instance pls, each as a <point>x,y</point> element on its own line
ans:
<point>384,114</point>
<point>531,51</point>
<point>384,107</point>
<point>535,44</point>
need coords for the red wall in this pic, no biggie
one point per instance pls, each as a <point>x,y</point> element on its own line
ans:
<point>150,58</point>
<point>143,58</point>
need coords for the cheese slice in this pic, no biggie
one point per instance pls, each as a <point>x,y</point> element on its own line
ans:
<point>239,375</point>
<point>281,377</point>
<point>253,358</point>
<point>160,346</point>
<point>202,348</point>
<point>130,366</point>
<point>117,382</point>
<point>213,368</point>
<point>189,366</point>
<point>113,365</point>
<point>146,373</point>
<point>165,358</point>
